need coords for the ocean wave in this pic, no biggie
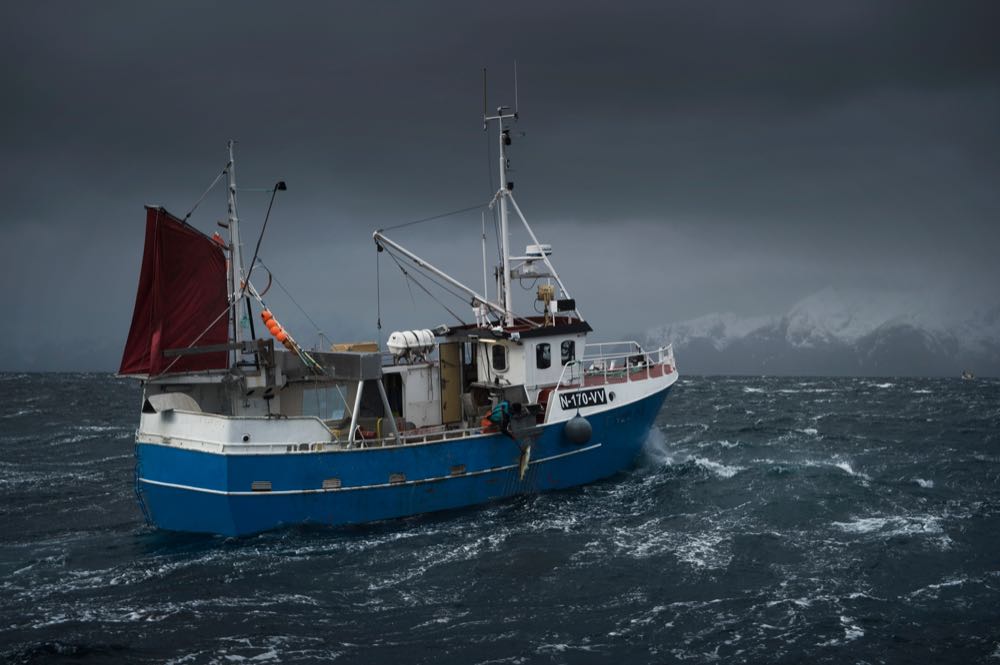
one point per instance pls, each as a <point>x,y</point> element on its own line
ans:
<point>893,525</point>
<point>846,467</point>
<point>718,468</point>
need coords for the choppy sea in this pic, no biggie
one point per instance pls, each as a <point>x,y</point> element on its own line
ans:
<point>769,520</point>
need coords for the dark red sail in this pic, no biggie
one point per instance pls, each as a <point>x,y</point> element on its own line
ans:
<point>182,294</point>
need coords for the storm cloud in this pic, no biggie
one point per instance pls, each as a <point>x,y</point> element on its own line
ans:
<point>682,157</point>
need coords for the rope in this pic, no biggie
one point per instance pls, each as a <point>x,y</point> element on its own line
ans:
<point>303,355</point>
<point>430,277</point>
<point>204,332</point>
<point>315,325</point>
<point>210,187</point>
<point>446,289</point>
<point>423,288</point>
<point>430,219</point>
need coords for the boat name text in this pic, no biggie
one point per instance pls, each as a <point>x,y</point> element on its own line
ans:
<point>591,397</point>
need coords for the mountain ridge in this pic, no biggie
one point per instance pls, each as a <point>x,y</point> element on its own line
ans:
<point>841,333</point>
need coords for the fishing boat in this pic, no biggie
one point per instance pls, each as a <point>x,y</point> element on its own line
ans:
<point>242,429</point>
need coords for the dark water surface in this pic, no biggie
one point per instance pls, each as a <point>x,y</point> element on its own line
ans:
<point>771,520</point>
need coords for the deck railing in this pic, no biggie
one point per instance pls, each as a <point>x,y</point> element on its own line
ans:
<point>605,363</point>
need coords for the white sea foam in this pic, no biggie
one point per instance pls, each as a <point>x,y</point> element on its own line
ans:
<point>811,431</point>
<point>851,631</point>
<point>849,470</point>
<point>707,549</point>
<point>655,449</point>
<point>893,525</point>
<point>18,413</point>
<point>703,550</point>
<point>927,484</point>
<point>561,647</point>
<point>932,590</point>
<point>718,468</point>
<point>795,391</point>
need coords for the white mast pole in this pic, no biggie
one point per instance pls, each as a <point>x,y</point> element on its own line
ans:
<point>508,300</point>
<point>486,288</point>
<point>235,252</point>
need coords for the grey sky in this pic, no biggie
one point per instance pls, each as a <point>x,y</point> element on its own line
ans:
<point>683,157</point>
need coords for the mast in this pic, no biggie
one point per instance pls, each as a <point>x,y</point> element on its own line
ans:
<point>235,252</point>
<point>508,302</point>
<point>486,288</point>
<point>504,191</point>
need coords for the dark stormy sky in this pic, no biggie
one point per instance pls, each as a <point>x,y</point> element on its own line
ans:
<point>682,157</point>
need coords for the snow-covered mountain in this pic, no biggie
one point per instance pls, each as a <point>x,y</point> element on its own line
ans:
<point>842,332</point>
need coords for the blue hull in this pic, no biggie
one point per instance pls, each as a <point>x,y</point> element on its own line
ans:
<point>187,490</point>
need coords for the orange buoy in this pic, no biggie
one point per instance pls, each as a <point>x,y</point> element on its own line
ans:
<point>266,315</point>
<point>281,335</point>
<point>275,329</point>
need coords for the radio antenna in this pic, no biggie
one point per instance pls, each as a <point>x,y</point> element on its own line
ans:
<point>484,99</point>
<point>515,88</point>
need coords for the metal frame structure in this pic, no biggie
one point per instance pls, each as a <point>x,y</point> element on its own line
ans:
<point>505,306</point>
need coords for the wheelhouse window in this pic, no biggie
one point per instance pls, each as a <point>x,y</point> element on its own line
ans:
<point>326,402</point>
<point>543,355</point>
<point>499,358</point>
<point>568,351</point>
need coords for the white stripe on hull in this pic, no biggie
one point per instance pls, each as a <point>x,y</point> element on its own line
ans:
<point>405,483</point>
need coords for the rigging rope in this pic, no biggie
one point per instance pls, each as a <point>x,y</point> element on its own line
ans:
<point>444,288</point>
<point>423,288</point>
<point>427,275</point>
<point>303,355</point>
<point>319,331</point>
<point>210,187</point>
<point>197,339</point>
<point>430,219</point>
<point>423,272</point>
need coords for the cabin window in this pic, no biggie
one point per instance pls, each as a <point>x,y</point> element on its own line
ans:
<point>324,402</point>
<point>543,355</point>
<point>568,351</point>
<point>499,358</point>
